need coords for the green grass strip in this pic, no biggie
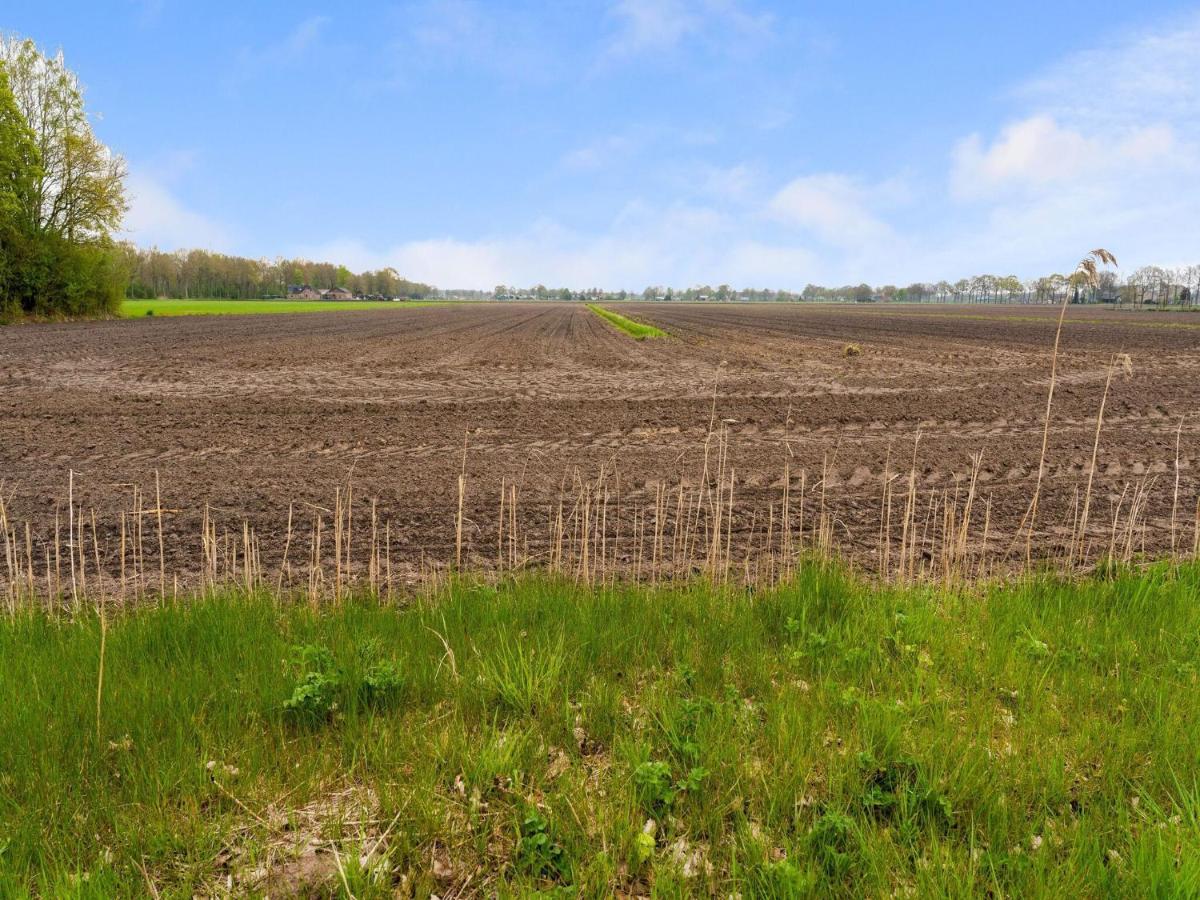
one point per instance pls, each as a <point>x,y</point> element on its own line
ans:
<point>136,309</point>
<point>823,738</point>
<point>636,330</point>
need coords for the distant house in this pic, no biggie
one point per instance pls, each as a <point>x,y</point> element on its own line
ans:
<point>337,293</point>
<point>303,292</point>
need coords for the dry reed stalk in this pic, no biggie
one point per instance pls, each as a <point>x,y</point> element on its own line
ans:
<point>387,555</point>
<point>139,559</point>
<point>785,512</point>
<point>337,544</point>
<point>1116,518</point>
<point>57,553</point>
<point>287,545</point>
<point>103,633</point>
<point>729,526</point>
<point>512,527</point>
<point>1087,495</point>
<point>987,521</point>
<point>1087,268</point>
<point>162,562</point>
<point>71,535</point>
<point>1175,495</point>
<point>910,511</point>
<point>122,554</point>
<point>500,530</point>
<point>1196,533</point>
<point>346,556</point>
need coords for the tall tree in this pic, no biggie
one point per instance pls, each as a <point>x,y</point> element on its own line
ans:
<point>79,189</point>
<point>19,166</point>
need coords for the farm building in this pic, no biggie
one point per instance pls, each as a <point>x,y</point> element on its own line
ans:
<point>303,292</point>
<point>337,293</point>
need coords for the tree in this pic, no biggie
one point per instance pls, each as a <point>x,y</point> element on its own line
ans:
<point>62,193</point>
<point>79,191</point>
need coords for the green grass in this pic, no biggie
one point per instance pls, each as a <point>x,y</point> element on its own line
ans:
<point>132,309</point>
<point>637,330</point>
<point>826,738</point>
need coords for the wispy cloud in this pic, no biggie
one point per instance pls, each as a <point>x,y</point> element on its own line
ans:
<point>158,218</point>
<point>600,153</point>
<point>292,49</point>
<point>643,26</point>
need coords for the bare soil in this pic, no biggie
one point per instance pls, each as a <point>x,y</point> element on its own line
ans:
<point>254,414</point>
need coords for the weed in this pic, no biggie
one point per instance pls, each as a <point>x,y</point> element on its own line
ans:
<point>315,695</point>
<point>538,853</point>
<point>851,350</point>
<point>383,681</point>
<point>657,790</point>
<point>835,843</point>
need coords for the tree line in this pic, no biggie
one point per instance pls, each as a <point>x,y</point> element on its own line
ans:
<point>1149,285</point>
<point>200,273</point>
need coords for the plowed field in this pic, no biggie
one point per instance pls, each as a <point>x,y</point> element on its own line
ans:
<point>251,415</point>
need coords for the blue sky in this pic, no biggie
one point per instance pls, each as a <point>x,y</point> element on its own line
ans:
<point>621,143</point>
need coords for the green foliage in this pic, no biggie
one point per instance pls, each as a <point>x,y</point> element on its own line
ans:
<point>538,853</point>
<point>207,274</point>
<point>383,681</point>
<point>834,842</point>
<point>322,687</point>
<point>654,787</point>
<point>657,790</point>
<point>315,695</point>
<point>783,880</point>
<point>50,276</point>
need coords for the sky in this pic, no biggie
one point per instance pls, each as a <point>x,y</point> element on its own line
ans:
<point>626,143</point>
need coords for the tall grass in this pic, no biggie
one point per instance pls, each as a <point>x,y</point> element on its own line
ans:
<point>820,738</point>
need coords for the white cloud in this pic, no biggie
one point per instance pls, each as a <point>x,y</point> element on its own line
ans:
<point>1039,152</point>
<point>651,24</point>
<point>1106,153</point>
<point>158,218</point>
<point>835,208</point>
<point>1155,71</point>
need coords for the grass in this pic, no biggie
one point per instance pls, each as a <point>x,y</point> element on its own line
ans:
<point>637,330</point>
<point>133,309</point>
<point>823,738</point>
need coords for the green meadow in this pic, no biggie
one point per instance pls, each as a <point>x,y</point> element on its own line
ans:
<point>134,309</point>
<point>824,738</point>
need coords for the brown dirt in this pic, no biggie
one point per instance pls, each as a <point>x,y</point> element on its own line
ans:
<point>250,414</point>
